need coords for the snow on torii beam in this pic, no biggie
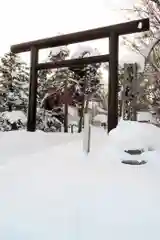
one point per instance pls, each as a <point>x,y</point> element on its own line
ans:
<point>112,32</point>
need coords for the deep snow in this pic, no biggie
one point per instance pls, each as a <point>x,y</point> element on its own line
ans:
<point>49,189</point>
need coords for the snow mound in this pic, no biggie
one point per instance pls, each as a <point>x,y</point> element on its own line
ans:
<point>135,135</point>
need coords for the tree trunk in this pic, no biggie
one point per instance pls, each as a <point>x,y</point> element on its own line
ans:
<point>9,107</point>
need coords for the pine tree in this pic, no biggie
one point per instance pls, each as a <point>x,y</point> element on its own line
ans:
<point>49,81</point>
<point>53,78</point>
<point>72,79</point>
<point>14,81</point>
<point>148,45</point>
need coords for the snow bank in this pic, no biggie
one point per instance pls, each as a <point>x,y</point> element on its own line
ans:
<point>58,193</point>
<point>22,143</point>
<point>134,135</point>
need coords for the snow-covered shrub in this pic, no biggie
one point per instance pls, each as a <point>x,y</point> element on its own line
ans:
<point>47,122</point>
<point>14,120</point>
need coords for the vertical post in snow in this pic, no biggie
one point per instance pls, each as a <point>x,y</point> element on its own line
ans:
<point>87,125</point>
<point>87,133</point>
<point>134,93</point>
<point>66,107</point>
<point>31,122</point>
<point>130,92</point>
<point>113,82</point>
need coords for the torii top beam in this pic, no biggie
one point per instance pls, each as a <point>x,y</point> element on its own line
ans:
<point>88,35</point>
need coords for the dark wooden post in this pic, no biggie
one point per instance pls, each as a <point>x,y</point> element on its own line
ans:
<point>31,124</point>
<point>66,107</point>
<point>113,82</point>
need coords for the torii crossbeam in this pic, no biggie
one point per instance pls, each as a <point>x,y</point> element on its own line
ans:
<point>112,32</point>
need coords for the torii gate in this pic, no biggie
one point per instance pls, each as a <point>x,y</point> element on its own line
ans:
<point>112,32</point>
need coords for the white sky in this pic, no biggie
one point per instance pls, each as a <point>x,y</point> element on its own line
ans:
<point>20,21</point>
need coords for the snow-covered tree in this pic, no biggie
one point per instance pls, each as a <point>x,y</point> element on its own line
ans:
<point>53,83</point>
<point>51,86</point>
<point>88,80</point>
<point>53,78</point>
<point>142,44</point>
<point>43,83</point>
<point>14,80</point>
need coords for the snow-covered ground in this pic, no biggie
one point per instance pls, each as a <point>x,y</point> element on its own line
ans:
<point>49,189</point>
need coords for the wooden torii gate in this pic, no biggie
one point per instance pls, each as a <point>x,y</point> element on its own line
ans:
<point>112,32</point>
